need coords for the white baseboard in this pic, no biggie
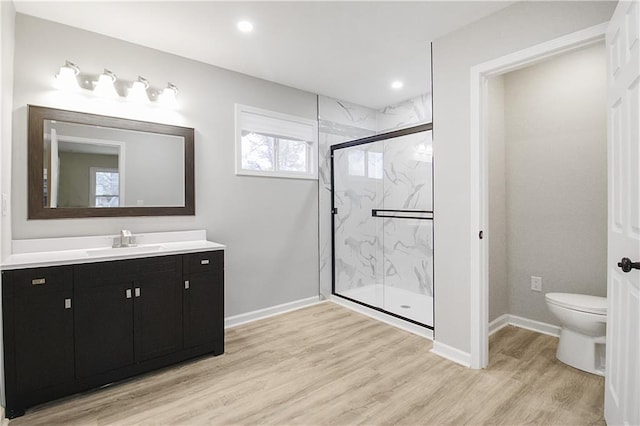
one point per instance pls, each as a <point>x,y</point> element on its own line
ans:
<point>271,311</point>
<point>529,324</point>
<point>499,323</point>
<point>451,353</point>
<point>540,327</point>
<point>382,317</point>
<point>502,321</point>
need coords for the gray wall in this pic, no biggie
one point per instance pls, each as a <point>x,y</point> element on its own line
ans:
<point>154,171</point>
<point>7,40</point>
<point>270,225</point>
<point>497,233</point>
<point>556,174</point>
<point>516,27</point>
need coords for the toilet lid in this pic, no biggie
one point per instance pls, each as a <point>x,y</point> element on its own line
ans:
<point>579,302</point>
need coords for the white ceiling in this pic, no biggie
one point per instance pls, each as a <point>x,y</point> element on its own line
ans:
<point>347,50</point>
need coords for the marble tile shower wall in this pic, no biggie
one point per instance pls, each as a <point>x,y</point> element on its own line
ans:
<point>341,122</point>
<point>405,114</point>
<point>371,250</point>
<point>358,235</point>
<point>408,244</point>
<point>338,122</point>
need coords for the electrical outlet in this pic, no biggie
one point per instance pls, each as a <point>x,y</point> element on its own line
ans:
<point>536,284</point>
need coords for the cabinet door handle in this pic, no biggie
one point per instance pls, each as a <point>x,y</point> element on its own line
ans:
<point>67,303</point>
<point>128,293</point>
<point>204,262</point>
<point>38,281</point>
<point>137,290</point>
<point>186,285</point>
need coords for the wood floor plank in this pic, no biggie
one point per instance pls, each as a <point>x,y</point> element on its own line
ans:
<point>327,365</point>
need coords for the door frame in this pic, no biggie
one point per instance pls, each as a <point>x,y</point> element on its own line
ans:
<point>479,193</point>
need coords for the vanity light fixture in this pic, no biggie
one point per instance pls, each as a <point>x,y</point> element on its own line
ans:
<point>105,86</point>
<point>138,91</point>
<point>67,77</point>
<point>397,85</point>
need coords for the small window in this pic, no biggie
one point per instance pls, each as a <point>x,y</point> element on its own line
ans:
<point>104,187</point>
<point>274,144</point>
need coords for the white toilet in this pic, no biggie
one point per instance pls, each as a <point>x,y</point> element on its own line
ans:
<point>582,339</point>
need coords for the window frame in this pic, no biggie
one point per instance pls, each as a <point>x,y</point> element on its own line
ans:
<point>312,151</point>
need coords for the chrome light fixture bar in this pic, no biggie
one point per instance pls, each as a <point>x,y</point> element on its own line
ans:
<point>108,85</point>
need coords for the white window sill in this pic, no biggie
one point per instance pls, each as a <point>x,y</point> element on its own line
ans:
<point>306,176</point>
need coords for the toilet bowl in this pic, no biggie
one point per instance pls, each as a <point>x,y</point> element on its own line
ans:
<point>582,339</point>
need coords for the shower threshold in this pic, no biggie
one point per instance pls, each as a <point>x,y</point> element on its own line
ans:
<point>398,302</point>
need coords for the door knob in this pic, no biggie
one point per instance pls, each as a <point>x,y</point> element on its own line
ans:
<point>627,265</point>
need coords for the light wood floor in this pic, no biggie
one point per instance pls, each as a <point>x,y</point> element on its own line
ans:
<point>326,365</point>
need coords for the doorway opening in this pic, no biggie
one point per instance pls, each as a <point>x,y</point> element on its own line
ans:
<point>547,189</point>
<point>479,260</point>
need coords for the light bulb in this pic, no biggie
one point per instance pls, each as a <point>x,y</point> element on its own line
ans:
<point>168,95</point>
<point>105,87</point>
<point>245,26</point>
<point>67,77</point>
<point>138,91</point>
<point>397,85</point>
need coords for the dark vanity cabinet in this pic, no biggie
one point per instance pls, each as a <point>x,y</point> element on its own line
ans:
<point>127,312</point>
<point>72,328</point>
<point>200,320</point>
<point>38,332</point>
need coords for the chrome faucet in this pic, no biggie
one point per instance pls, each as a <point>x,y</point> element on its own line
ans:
<point>126,239</point>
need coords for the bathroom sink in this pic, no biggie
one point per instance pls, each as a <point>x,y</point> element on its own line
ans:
<point>124,250</point>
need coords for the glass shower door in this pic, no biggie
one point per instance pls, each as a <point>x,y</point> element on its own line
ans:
<point>358,190</point>
<point>407,218</point>
<point>383,224</point>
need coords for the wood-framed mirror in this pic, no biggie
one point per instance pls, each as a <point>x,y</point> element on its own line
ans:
<point>86,165</point>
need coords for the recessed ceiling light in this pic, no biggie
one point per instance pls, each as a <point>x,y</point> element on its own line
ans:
<point>397,84</point>
<point>245,26</point>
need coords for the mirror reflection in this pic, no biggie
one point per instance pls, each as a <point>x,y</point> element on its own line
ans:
<point>95,166</point>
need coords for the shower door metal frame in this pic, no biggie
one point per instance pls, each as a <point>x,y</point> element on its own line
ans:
<point>371,139</point>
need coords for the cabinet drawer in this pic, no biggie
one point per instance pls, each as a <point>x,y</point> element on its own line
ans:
<point>39,280</point>
<point>203,262</point>
<point>101,273</point>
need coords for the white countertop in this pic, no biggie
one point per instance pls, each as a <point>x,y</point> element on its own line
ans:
<point>73,250</point>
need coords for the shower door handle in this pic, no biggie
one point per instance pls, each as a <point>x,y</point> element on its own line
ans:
<point>402,214</point>
<point>627,265</point>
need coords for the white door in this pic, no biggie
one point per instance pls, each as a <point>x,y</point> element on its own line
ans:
<point>622,378</point>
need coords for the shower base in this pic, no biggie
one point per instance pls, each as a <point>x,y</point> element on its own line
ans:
<point>414,306</point>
